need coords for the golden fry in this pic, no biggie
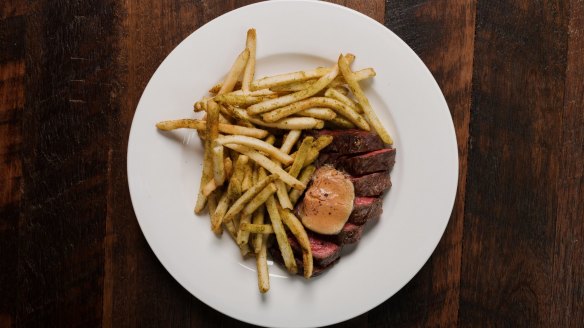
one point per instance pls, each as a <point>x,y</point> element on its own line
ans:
<point>299,232</point>
<point>201,126</point>
<point>249,71</point>
<point>281,236</point>
<point>240,203</point>
<point>320,113</point>
<point>363,101</point>
<point>304,177</point>
<point>262,267</point>
<point>235,72</point>
<point>258,144</point>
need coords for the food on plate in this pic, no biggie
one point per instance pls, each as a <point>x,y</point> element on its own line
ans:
<point>328,202</point>
<point>273,178</point>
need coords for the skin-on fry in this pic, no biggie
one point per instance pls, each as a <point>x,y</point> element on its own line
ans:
<point>257,228</point>
<point>262,267</point>
<point>259,199</point>
<point>243,236</point>
<point>363,101</point>
<point>240,203</point>
<point>340,123</point>
<point>305,177</point>
<point>218,165</point>
<point>235,72</point>
<point>242,100</point>
<point>297,229</point>
<point>201,126</point>
<point>320,113</point>
<point>249,71</point>
<point>247,177</point>
<point>281,236</point>
<point>320,143</point>
<point>334,104</point>
<point>288,99</point>
<point>268,165</point>
<point>338,81</point>
<point>336,94</point>
<point>300,157</point>
<point>290,140</point>
<point>211,185</point>
<point>292,123</point>
<point>257,144</point>
<point>233,192</point>
<point>211,131</point>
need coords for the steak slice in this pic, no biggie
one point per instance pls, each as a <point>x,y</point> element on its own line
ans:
<point>324,249</point>
<point>351,141</point>
<point>365,209</point>
<point>375,161</point>
<point>373,184</point>
<point>316,268</point>
<point>350,234</point>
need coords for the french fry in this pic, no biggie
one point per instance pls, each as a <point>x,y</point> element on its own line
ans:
<point>243,236</point>
<point>281,237</point>
<point>233,192</point>
<point>211,131</point>
<point>240,203</point>
<point>247,177</point>
<point>297,229</point>
<point>249,71</point>
<point>262,267</point>
<point>218,166</point>
<point>257,228</point>
<point>334,104</point>
<point>201,126</point>
<point>259,199</point>
<point>292,123</point>
<point>258,144</point>
<point>320,113</point>
<point>300,157</point>
<point>290,140</point>
<point>305,176</point>
<point>258,218</point>
<point>211,185</point>
<point>268,165</point>
<point>242,100</point>
<point>363,101</point>
<point>299,95</point>
<point>338,81</point>
<point>340,123</point>
<point>338,95</point>
<point>319,144</point>
<point>282,79</point>
<point>235,72</point>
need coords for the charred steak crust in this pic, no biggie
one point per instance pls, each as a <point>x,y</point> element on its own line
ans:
<point>365,209</point>
<point>351,141</point>
<point>371,184</point>
<point>324,249</point>
<point>375,161</point>
<point>316,270</point>
<point>350,234</point>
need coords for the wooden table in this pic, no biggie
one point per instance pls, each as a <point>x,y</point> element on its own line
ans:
<point>71,75</point>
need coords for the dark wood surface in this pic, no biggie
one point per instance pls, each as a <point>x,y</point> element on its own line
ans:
<point>71,251</point>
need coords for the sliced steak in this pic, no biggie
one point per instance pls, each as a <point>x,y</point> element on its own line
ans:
<point>324,249</point>
<point>351,141</point>
<point>373,184</point>
<point>350,234</point>
<point>375,161</point>
<point>365,209</point>
<point>317,269</point>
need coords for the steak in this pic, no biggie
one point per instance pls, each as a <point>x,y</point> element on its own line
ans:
<point>350,234</point>
<point>373,184</point>
<point>365,209</point>
<point>375,161</point>
<point>324,249</point>
<point>317,269</point>
<point>350,141</point>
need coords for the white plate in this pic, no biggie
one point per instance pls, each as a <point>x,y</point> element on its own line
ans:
<point>164,168</point>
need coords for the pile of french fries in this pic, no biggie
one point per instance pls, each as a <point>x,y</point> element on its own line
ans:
<point>256,159</point>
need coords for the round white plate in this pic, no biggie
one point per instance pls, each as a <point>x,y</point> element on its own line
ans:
<point>164,168</point>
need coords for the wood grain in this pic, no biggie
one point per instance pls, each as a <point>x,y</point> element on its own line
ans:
<point>515,167</point>
<point>12,70</point>
<point>442,34</point>
<point>71,75</point>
